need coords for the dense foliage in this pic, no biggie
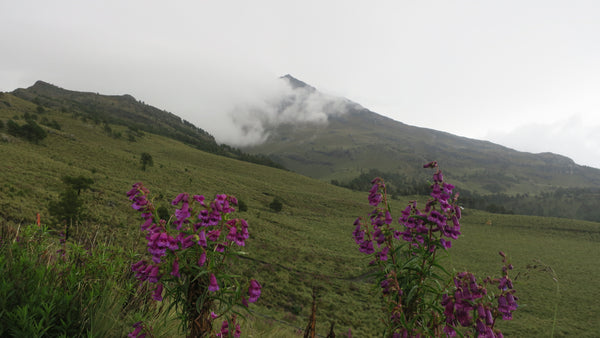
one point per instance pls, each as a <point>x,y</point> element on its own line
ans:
<point>53,288</point>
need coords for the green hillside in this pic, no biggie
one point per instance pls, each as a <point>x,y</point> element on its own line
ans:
<point>355,140</point>
<point>137,116</point>
<point>308,244</point>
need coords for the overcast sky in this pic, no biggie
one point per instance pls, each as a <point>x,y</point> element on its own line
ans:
<point>525,74</point>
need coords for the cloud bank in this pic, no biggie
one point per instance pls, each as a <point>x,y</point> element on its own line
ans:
<point>573,135</point>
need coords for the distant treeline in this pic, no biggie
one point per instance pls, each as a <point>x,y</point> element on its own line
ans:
<point>575,203</point>
<point>395,184</point>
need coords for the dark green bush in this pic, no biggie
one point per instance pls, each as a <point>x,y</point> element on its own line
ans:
<point>276,205</point>
<point>30,131</point>
<point>242,206</point>
<point>146,161</point>
<point>163,213</point>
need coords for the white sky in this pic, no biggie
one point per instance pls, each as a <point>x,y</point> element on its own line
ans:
<point>525,74</point>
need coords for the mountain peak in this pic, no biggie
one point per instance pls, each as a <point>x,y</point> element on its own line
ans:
<point>295,83</point>
<point>42,84</point>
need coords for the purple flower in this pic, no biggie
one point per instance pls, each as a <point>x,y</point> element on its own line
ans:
<point>202,259</point>
<point>220,247</point>
<point>175,271</point>
<point>405,214</point>
<point>238,331</point>
<point>359,234</point>
<point>224,330</point>
<point>153,277</point>
<point>253,291</point>
<point>375,199</point>
<point>181,197</point>
<point>202,239</point>
<point>446,244</point>
<point>449,331</point>
<point>366,247</point>
<point>186,241</point>
<point>213,235</point>
<point>157,295</point>
<point>147,224</point>
<point>200,199</point>
<point>212,285</point>
<point>137,330</point>
<point>383,253</point>
<point>432,164</point>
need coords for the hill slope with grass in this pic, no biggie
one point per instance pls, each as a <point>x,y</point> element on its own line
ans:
<point>354,141</point>
<point>307,245</point>
<point>125,110</point>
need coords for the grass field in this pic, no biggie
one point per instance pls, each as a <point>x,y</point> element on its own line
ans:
<point>308,244</point>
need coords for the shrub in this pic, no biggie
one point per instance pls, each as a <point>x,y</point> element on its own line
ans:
<point>276,205</point>
<point>33,132</point>
<point>163,213</point>
<point>242,205</point>
<point>13,128</point>
<point>146,161</point>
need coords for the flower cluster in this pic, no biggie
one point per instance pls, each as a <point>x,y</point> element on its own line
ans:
<point>434,226</point>
<point>441,216</point>
<point>193,246</point>
<point>470,305</point>
<point>412,281</point>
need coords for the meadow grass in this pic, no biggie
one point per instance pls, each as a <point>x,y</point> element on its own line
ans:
<point>306,246</point>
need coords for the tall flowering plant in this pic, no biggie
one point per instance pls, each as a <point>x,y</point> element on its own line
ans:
<point>421,298</point>
<point>187,260</point>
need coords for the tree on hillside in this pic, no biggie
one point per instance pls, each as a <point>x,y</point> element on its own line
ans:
<point>78,183</point>
<point>276,205</point>
<point>67,209</point>
<point>30,131</point>
<point>13,128</point>
<point>146,160</point>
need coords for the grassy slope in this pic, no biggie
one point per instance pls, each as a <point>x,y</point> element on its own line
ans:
<point>360,139</point>
<point>309,243</point>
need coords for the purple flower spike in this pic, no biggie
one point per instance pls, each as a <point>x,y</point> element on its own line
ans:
<point>158,293</point>
<point>253,291</point>
<point>213,286</point>
<point>202,259</point>
<point>175,271</point>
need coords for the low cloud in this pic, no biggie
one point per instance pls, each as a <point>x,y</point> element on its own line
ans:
<point>573,137</point>
<point>274,104</point>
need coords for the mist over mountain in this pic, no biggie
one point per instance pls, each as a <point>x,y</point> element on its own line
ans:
<point>288,101</point>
